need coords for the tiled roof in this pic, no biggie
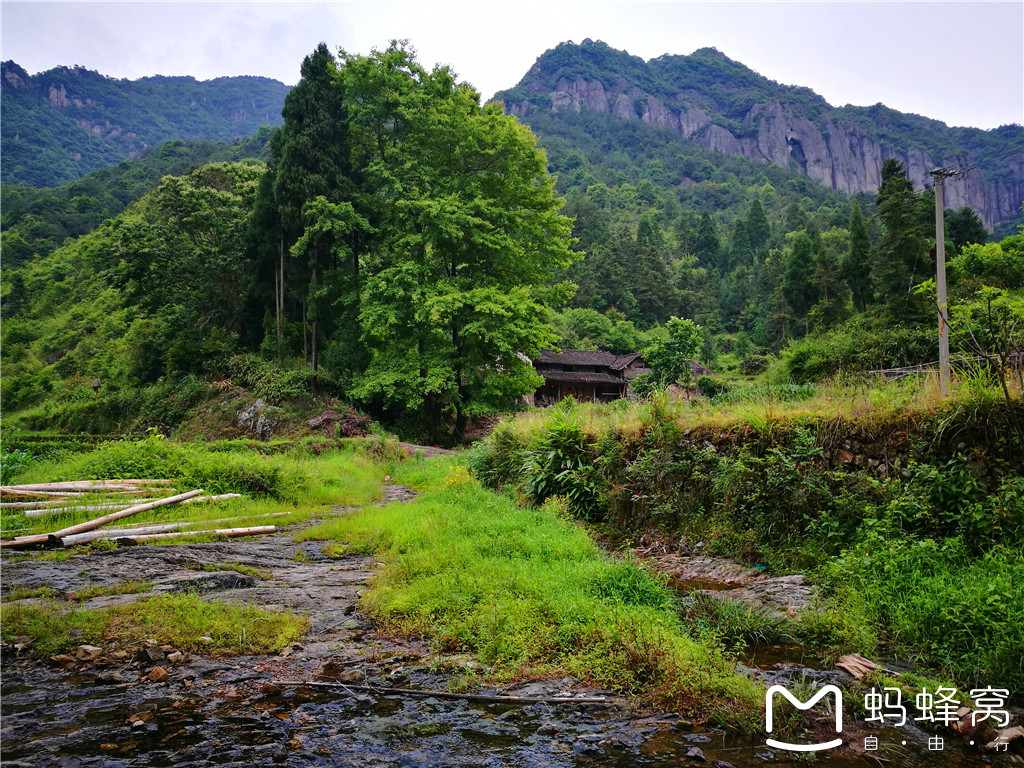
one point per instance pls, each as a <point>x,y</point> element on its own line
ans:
<point>577,357</point>
<point>583,377</point>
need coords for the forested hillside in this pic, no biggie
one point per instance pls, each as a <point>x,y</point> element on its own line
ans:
<point>60,124</point>
<point>409,253</point>
<point>720,104</point>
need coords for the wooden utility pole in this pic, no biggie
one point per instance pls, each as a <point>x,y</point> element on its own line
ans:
<point>940,278</point>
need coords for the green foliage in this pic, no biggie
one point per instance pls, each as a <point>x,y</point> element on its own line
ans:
<point>710,387</point>
<point>670,354</point>
<point>269,380</point>
<point>558,464</point>
<point>12,461</point>
<point>961,612</point>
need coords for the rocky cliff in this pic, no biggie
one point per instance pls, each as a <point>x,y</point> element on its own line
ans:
<point>724,106</point>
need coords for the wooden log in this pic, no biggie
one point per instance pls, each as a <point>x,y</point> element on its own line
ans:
<point>446,694</point>
<point>93,524</point>
<point>80,487</point>
<point>131,526</point>
<point>256,531</point>
<point>21,494</point>
<point>23,542</point>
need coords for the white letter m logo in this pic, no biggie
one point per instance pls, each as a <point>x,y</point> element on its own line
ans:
<point>828,689</point>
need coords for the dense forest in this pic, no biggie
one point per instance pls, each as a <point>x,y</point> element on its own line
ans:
<point>401,246</point>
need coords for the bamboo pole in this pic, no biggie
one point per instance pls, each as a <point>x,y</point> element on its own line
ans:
<point>92,524</point>
<point>256,531</point>
<point>57,510</point>
<point>147,528</point>
<point>69,487</point>
<point>90,483</point>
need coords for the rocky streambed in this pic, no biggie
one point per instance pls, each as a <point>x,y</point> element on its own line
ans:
<point>155,705</point>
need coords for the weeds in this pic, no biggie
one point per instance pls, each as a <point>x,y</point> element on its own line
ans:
<point>177,620</point>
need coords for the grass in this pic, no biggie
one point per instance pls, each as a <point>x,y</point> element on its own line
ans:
<point>247,570</point>
<point>176,620</point>
<point>120,588</point>
<point>530,594</point>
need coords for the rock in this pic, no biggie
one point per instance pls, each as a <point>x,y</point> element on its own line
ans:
<point>269,689</point>
<point>547,729</point>
<point>120,654</point>
<point>259,420</point>
<point>352,676</point>
<point>157,675</point>
<point>286,652</point>
<point>149,654</point>
<point>722,764</point>
<point>175,657</point>
<point>696,753</point>
<point>350,624</point>
<point>110,678</point>
<point>62,659</point>
<point>88,652</point>
<point>205,640</point>
<point>279,753</point>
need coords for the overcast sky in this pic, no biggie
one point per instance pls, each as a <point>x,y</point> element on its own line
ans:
<point>959,62</point>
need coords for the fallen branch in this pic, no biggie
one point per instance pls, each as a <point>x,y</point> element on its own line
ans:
<point>32,506</point>
<point>446,694</point>
<point>231,532</point>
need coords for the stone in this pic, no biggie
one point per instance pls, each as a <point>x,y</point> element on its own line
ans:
<point>110,678</point>
<point>157,675</point>
<point>175,657</point>
<point>88,652</point>
<point>352,676</point>
<point>149,654</point>
<point>696,753</point>
<point>205,640</point>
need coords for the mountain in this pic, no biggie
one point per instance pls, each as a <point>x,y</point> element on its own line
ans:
<point>60,124</point>
<point>722,105</point>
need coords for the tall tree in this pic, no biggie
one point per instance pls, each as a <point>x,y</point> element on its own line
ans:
<point>900,258</point>
<point>797,279</point>
<point>857,265</point>
<point>470,238</point>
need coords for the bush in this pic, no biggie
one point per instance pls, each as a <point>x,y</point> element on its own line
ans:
<point>710,387</point>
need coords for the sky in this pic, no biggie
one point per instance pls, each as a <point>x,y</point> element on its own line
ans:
<point>959,62</point>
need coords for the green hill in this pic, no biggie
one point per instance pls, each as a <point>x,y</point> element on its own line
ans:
<point>60,124</point>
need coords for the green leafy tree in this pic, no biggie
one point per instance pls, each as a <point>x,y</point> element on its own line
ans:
<point>964,226</point>
<point>470,237</point>
<point>669,356</point>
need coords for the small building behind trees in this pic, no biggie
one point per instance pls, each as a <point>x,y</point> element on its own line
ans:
<point>587,376</point>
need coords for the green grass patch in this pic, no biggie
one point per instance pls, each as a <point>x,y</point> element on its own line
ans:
<point>247,570</point>
<point>529,592</point>
<point>177,620</point>
<point>120,588</point>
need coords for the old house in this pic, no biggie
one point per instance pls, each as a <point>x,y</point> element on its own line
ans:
<point>587,376</point>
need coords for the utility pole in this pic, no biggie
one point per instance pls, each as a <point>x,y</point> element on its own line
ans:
<point>940,277</point>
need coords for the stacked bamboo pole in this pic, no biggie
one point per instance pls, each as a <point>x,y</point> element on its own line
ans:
<point>70,492</point>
